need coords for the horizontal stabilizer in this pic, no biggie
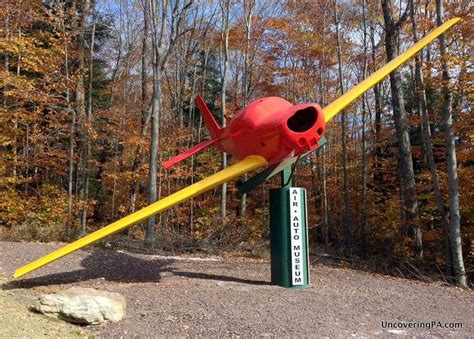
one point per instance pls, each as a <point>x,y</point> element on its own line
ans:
<point>180,157</point>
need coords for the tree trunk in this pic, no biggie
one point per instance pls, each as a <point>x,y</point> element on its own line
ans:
<point>428,142</point>
<point>159,52</point>
<point>363,190</point>
<point>347,227</point>
<point>405,162</point>
<point>81,110</point>
<point>325,198</point>
<point>450,148</point>
<point>324,171</point>
<point>199,129</point>
<point>88,146</point>
<point>378,116</point>
<point>164,34</point>
<point>70,177</point>
<point>224,51</point>
<point>191,129</point>
<point>248,9</point>
<point>6,59</point>
<point>144,111</point>
<point>15,121</point>
<point>155,136</point>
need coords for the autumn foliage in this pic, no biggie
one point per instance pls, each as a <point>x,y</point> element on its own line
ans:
<point>75,121</point>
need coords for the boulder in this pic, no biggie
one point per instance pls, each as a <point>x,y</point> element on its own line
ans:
<point>82,306</point>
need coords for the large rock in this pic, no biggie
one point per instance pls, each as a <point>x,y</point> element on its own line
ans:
<point>82,305</point>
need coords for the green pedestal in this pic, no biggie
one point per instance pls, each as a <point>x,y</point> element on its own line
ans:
<point>289,235</point>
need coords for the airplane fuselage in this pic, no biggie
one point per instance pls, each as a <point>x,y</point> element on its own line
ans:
<point>274,129</point>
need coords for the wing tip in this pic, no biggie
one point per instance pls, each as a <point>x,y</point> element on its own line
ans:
<point>17,274</point>
<point>168,164</point>
<point>451,22</point>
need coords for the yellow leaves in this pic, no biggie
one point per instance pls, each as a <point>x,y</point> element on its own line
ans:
<point>7,47</point>
<point>31,54</point>
<point>15,83</point>
<point>197,235</point>
<point>12,206</point>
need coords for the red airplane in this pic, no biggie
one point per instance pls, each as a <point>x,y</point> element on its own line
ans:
<point>270,133</point>
<point>269,127</point>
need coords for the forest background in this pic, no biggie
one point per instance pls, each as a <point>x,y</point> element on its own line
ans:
<point>95,95</point>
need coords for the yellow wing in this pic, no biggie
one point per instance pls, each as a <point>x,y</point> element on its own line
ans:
<point>248,164</point>
<point>340,103</point>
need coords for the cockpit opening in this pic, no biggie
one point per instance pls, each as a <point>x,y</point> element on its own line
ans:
<point>303,119</point>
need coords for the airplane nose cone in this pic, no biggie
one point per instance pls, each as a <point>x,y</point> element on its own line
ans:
<point>304,126</point>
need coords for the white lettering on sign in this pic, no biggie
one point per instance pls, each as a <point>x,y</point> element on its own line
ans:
<point>296,218</point>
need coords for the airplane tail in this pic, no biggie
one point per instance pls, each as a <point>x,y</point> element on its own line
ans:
<point>214,130</point>
<point>211,123</point>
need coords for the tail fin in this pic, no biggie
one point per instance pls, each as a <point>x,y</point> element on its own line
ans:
<point>213,128</point>
<point>209,120</point>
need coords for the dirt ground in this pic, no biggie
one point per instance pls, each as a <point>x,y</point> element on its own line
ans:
<point>17,321</point>
<point>226,296</point>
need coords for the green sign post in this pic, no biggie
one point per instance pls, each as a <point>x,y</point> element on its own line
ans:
<point>289,235</point>
<point>288,224</point>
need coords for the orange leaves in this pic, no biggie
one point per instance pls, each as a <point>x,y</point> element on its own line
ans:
<point>33,218</point>
<point>16,85</point>
<point>12,207</point>
<point>34,120</point>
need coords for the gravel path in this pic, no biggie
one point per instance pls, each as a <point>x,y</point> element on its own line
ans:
<point>233,297</point>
